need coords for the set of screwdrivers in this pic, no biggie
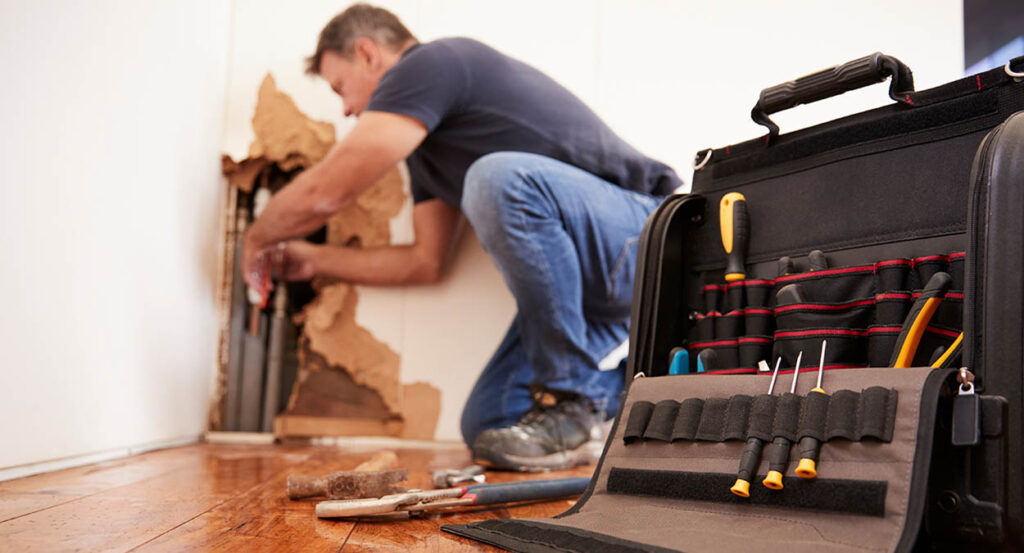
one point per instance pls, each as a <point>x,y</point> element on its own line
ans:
<point>809,446</point>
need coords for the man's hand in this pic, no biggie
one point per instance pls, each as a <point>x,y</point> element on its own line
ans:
<point>256,264</point>
<point>299,260</point>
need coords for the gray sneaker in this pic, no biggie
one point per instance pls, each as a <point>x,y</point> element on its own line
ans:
<point>561,430</point>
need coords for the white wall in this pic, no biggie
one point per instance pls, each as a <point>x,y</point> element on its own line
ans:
<point>671,77</point>
<point>110,195</point>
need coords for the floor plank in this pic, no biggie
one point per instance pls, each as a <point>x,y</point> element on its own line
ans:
<point>218,497</point>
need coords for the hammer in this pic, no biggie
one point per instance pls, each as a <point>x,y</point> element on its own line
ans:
<point>374,478</point>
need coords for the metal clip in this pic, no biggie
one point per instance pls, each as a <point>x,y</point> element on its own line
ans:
<point>697,166</point>
<point>1017,75</point>
<point>966,380</point>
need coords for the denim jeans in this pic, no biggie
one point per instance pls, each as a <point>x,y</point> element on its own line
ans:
<point>565,241</point>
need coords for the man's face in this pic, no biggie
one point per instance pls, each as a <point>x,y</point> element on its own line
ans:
<point>354,79</point>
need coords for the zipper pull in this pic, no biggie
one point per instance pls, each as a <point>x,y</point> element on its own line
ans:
<point>966,412</point>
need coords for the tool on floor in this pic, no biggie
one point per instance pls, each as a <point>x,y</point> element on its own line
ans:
<point>680,361</point>
<point>917,320</point>
<point>780,446</point>
<point>372,478</point>
<point>751,457</point>
<point>809,446</point>
<point>432,500</point>
<point>735,227</point>
<point>448,478</point>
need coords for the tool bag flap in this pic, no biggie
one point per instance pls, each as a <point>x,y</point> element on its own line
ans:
<point>663,483</point>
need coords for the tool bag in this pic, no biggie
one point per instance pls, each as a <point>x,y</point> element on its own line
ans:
<point>915,458</point>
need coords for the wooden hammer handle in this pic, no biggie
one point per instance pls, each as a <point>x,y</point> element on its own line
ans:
<point>385,460</point>
<point>306,485</point>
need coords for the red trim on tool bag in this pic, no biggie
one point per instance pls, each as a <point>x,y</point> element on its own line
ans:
<point>720,343</point>
<point>823,307</point>
<point>978,78</point>
<point>943,332</point>
<point>930,258</point>
<point>734,284</point>
<point>893,262</point>
<point>713,314</point>
<point>757,311</point>
<point>758,282</point>
<point>825,273</point>
<point>755,340</point>
<point>893,296</point>
<point>734,313</point>
<point>884,329</point>
<point>820,332</point>
<point>713,287</point>
<point>909,101</point>
<point>957,255</point>
<point>699,316</point>
<point>734,371</point>
<point>954,295</point>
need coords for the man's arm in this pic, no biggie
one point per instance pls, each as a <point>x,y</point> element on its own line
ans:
<point>434,224</point>
<point>377,142</point>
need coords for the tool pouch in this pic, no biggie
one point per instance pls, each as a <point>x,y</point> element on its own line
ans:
<point>664,480</point>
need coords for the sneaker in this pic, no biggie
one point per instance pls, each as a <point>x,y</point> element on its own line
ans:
<point>561,430</point>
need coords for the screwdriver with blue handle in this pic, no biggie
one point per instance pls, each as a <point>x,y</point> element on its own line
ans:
<point>735,227</point>
<point>809,446</point>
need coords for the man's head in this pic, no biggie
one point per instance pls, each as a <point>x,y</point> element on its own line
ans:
<point>355,50</point>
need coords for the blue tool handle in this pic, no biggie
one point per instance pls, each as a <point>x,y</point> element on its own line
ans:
<point>504,492</point>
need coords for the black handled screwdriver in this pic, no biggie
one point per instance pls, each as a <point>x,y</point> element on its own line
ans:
<point>752,452</point>
<point>780,445</point>
<point>810,447</point>
<point>735,227</point>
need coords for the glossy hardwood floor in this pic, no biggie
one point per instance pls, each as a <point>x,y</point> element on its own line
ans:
<point>214,497</point>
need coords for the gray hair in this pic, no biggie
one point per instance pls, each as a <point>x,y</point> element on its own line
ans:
<point>359,20</point>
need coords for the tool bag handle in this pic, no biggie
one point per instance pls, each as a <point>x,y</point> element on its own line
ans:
<point>833,81</point>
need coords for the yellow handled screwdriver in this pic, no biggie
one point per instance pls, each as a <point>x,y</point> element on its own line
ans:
<point>735,227</point>
<point>809,445</point>
<point>752,452</point>
<point>780,445</point>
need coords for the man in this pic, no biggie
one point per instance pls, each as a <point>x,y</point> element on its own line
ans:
<point>556,198</point>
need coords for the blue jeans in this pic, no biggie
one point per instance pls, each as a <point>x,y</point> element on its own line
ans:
<point>565,242</point>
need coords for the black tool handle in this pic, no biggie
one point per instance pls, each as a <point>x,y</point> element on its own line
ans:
<point>735,227</point>
<point>779,457</point>
<point>833,81</point>
<point>809,449</point>
<point>750,460</point>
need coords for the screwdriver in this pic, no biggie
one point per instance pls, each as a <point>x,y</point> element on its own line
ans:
<point>752,452</point>
<point>780,445</point>
<point>735,227</point>
<point>809,445</point>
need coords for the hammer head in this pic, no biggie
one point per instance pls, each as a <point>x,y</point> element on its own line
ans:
<point>357,484</point>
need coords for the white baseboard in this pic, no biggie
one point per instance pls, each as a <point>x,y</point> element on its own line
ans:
<point>29,469</point>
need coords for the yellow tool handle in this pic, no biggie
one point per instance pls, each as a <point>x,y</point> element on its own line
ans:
<point>918,318</point>
<point>951,353</point>
<point>735,227</point>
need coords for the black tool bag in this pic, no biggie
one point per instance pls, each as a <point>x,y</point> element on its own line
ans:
<point>910,458</point>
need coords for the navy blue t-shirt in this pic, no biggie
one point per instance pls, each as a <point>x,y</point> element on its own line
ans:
<point>475,100</point>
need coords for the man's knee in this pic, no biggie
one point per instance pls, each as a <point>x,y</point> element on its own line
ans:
<point>490,181</point>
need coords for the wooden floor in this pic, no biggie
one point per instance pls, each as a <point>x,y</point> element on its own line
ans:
<point>228,498</point>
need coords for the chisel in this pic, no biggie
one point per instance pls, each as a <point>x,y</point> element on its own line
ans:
<point>735,227</point>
